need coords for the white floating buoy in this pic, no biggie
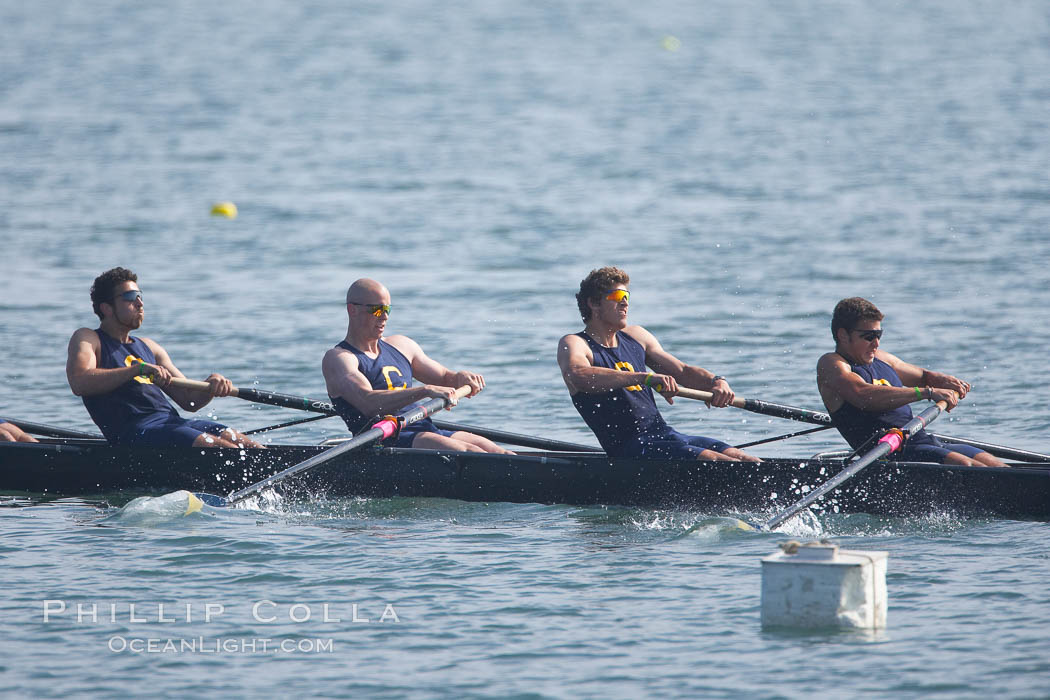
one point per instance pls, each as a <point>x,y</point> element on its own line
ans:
<point>819,585</point>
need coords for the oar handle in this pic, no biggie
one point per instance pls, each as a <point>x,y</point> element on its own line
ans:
<point>194,385</point>
<point>766,408</point>
<point>699,395</point>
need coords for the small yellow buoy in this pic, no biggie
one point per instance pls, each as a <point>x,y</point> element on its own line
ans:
<point>227,209</point>
<point>671,43</point>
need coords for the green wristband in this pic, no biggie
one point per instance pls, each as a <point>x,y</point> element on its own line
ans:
<point>918,393</point>
<point>648,378</point>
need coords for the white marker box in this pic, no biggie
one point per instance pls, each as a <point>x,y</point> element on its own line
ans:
<point>818,585</point>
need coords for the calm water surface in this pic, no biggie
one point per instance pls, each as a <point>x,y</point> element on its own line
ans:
<point>748,163</point>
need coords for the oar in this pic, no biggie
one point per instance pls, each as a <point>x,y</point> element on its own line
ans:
<point>268,428</point>
<point>765,407</point>
<point>997,450</point>
<point>781,437</point>
<point>304,403</point>
<point>383,429</point>
<point>271,398</point>
<point>888,443</point>
<point>516,439</point>
<point>51,431</point>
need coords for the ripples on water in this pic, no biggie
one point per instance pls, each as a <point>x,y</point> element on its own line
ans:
<point>480,159</point>
<point>495,597</point>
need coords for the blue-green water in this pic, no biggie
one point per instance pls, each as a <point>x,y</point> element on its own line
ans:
<point>480,158</point>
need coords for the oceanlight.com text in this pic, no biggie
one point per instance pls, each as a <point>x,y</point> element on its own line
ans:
<point>219,645</point>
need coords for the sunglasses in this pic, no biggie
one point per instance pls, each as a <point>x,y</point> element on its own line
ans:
<point>869,335</point>
<point>130,296</point>
<point>618,295</point>
<point>376,310</point>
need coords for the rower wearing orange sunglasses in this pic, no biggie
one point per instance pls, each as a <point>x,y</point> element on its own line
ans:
<point>604,367</point>
<point>370,375</point>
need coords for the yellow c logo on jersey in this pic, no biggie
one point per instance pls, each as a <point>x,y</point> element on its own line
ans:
<point>132,360</point>
<point>883,382</point>
<point>626,367</point>
<point>392,374</point>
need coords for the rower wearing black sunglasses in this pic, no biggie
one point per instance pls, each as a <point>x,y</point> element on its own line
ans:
<point>370,375</point>
<point>125,380</point>
<point>867,390</point>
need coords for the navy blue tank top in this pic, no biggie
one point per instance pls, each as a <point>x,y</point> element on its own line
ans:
<point>858,426</point>
<point>621,419</point>
<point>389,370</point>
<point>134,402</point>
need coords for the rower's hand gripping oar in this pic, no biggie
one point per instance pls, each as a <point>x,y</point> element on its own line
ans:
<point>381,430</point>
<point>887,444</point>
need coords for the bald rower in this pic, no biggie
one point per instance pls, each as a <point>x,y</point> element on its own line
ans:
<point>369,376</point>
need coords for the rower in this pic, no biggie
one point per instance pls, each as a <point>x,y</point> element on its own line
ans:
<point>369,376</point>
<point>604,368</point>
<point>123,379</point>
<point>867,390</point>
<point>9,432</point>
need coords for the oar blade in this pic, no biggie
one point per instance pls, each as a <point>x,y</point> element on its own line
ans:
<point>150,511</point>
<point>210,499</point>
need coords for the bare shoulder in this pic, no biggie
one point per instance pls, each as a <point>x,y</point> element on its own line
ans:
<point>85,335</point>
<point>653,349</point>
<point>830,361</point>
<point>338,357</point>
<point>83,343</point>
<point>571,341</point>
<point>573,346</point>
<point>889,358</point>
<point>408,347</point>
<point>640,334</point>
<point>152,344</point>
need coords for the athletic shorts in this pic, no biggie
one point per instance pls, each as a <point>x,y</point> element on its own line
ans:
<point>929,449</point>
<point>409,432</point>
<point>675,445</point>
<point>170,431</point>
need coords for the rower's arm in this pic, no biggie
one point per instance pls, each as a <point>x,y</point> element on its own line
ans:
<point>430,371</point>
<point>164,369</point>
<point>343,379</point>
<point>838,383</point>
<point>912,375</point>
<point>661,360</point>
<point>85,377</point>
<point>690,376</point>
<point>580,374</point>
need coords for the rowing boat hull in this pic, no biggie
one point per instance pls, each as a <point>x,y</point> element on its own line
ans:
<point>88,469</point>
